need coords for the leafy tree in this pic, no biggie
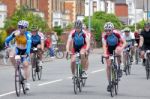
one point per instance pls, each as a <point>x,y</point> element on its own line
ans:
<point>3,35</point>
<point>99,19</point>
<point>23,13</point>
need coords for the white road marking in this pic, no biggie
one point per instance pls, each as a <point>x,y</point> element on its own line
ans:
<point>54,81</point>
<point>5,94</point>
<point>97,71</point>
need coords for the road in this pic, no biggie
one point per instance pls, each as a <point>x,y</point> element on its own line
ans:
<point>56,82</point>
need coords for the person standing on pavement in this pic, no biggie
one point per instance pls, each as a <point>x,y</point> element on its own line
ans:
<point>54,39</point>
<point>48,44</point>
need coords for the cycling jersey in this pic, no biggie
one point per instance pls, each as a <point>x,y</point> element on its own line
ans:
<point>129,39</point>
<point>111,48</point>
<point>78,40</point>
<point>22,42</point>
<point>146,36</point>
<point>36,39</point>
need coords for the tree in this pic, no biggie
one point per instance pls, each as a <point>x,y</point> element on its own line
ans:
<point>99,19</point>
<point>23,13</point>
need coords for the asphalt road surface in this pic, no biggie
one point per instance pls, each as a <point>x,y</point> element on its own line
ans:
<point>56,82</point>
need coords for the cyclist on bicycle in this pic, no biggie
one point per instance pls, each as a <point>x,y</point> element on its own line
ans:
<point>137,37</point>
<point>23,45</point>
<point>112,41</point>
<point>129,37</point>
<point>144,40</point>
<point>37,41</point>
<point>78,38</point>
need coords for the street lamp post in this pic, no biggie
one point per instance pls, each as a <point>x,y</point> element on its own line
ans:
<point>147,10</point>
<point>89,16</point>
<point>135,14</point>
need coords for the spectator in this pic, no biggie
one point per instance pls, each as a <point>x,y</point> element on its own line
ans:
<point>48,44</point>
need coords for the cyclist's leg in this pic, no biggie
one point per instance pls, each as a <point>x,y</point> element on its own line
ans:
<point>132,52</point>
<point>142,53</point>
<point>83,59</point>
<point>12,56</point>
<point>73,64</point>
<point>26,71</point>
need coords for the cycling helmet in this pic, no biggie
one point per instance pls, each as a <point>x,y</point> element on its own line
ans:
<point>108,26</point>
<point>23,23</point>
<point>147,24</point>
<point>127,29</point>
<point>78,24</point>
<point>34,28</point>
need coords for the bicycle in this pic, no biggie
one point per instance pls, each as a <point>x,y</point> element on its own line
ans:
<point>137,54</point>
<point>19,76</point>
<point>127,61</point>
<point>147,65</point>
<point>36,69</point>
<point>78,80</point>
<point>114,79</point>
<point>57,52</point>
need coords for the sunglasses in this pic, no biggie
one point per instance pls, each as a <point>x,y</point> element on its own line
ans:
<point>107,30</point>
<point>21,27</point>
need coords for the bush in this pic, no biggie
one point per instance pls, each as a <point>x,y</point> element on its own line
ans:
<point>59,30</point>
<point>3,35</point>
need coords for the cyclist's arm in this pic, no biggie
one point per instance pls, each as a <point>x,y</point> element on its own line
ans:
<point>28,46</point>
<point>141,41</point>
<point>133,38</point>
<point>9,38</point>
<point>42,40</point>
<point>104,45</point>
<point>68,42</point>
<point>123,41</point>
<point>87,43</point>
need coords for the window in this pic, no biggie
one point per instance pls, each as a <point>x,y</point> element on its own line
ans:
<point>32,4</point>
<point>55,23</point>
<point>94,6</point>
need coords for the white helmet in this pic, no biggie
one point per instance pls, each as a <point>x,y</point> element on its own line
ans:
<point>108,26</point>
<point>23,23</point>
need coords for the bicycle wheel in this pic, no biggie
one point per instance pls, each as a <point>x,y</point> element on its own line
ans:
<point>83,82</point>
<point>39,72</point>
<point>46,54</point>
<point>23,87</point>
<point>75,85</point>
<point>136,56</point>
<point>59,54</point>
<point>112,90</point>
<point>34,62</point>
<point>147,69</point>
<point>129,65</point>
<point>116,82</point>
<point>17,81</point>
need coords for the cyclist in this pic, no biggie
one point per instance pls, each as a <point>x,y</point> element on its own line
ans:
<point>78,38</point>
<point>112,41</point>
<point>23,45</point>
<point>137,37</point>
<point>129,37</point>
<point>37,41</point>
<point>144,40</point>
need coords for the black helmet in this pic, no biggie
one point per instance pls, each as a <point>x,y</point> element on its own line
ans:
<point>147,24</point>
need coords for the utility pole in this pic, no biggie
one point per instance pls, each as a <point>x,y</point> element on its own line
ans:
<point>89,27</point>
<point>147,10</point>
<point>135,14</point>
